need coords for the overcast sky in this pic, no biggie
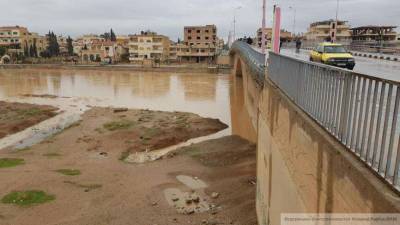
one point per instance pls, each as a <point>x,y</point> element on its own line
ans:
<point>76,17</point>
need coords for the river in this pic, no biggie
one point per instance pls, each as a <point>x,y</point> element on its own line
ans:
<point>208,95</point>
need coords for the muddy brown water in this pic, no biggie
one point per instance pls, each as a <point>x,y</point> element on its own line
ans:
<point>208,95</point>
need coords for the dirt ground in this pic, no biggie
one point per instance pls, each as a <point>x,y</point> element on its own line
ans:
<point>15,117</point>
<point>214,180</point>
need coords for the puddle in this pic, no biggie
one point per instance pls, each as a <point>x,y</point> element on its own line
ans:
<point>186,202</point>
<point>143,157</point>
<point>191,182</point>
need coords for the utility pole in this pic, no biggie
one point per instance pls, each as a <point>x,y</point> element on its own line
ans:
<point>263,28</point>
<point>337,22</point>
<point>294,20</point>
<point>234,23</point>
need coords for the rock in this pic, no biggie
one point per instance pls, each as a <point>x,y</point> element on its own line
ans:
<point>189,211</point>
<point>215,195</point>
<point>119,110</point>
<point>196,199</point>
<point>175,199</point>
<point>154,203</point>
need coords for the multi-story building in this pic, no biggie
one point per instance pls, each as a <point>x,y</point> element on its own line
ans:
<point>322,31</point>
<point>148,45</point>
<point>285,37</point>
<point>100,51</point>
<point>19,40</point>
<point>374,34</point>
<point>39,41</point>
<point>202,44</point>
<point>14,37</point>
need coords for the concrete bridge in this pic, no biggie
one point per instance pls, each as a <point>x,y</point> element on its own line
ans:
<point>323,146</point>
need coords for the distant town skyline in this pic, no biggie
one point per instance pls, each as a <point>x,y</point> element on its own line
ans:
<point>78,17</point>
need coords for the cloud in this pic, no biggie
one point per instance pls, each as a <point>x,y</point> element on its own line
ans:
<point>76,17</point>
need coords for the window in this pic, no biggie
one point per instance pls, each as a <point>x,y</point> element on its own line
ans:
<point>190,38</point>
<point>198,38</point>
<point>198,31</point>
<point>207,38</point>
<point>189,31</point>
<point>207,31</point>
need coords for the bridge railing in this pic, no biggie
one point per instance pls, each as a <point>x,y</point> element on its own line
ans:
<point>252,58</point>
<point>361,111</point>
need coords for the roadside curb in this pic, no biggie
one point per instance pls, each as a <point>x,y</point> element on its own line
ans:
<point>376,56</point>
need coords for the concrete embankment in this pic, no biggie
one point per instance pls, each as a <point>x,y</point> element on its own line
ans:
<point>301,168</point>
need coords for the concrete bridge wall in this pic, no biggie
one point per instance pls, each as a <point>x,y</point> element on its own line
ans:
<point>301,168</point>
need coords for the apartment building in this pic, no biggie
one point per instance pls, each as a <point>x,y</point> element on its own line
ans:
<point>374,34</point>
<point>324,30</point>
<point>148,45</point>
<point>100,51</point>
<point>14,37</point>
<point>18,39</point>
<point>39,41</point>
<point>286,36</point>
<point>202,44</point>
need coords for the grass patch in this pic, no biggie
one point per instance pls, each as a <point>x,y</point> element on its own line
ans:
<point>119,125</point>
<point>27,198</point>
<point>69,172</point>
<point>149,133</point>
<point>99,130</point>
<point>52,155</point>
<point>192,151</point>
<point>29,112</point>
<point>9,162</point>
<point>124,155</point>
<point>87,187</point>
<point>23,149</point>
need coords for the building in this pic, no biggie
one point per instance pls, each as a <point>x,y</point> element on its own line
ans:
<point>323,30</point>
<point>18,40</point>
<point>374,34</point>
<point>39,41</point>
<point>202,44</point>
<point>15,38</point>
<point>148,45</point>
<point>286,36</point>
<point>100,51</point>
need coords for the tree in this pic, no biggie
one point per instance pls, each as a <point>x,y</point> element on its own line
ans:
<point>106,36</point>
<point>31,51</point>
<point>3,51</point>
<point>35,52</point>
<point>26,49</point>
<point>53,49</point>
<point>112,35</point>
<point>70,47</point>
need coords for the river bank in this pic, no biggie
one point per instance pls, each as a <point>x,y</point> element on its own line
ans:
<point>84,171</point>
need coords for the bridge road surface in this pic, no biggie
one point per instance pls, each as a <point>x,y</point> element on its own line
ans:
<point>373,67</point>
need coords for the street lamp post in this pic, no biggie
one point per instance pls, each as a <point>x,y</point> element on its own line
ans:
<point>234,22</point>
<point>337,15</point>
<point>263,28</point>
<point>294,20</point>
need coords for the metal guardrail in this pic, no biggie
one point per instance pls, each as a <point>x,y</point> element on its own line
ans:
<point>253,59</point>
<point>361,111</point>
